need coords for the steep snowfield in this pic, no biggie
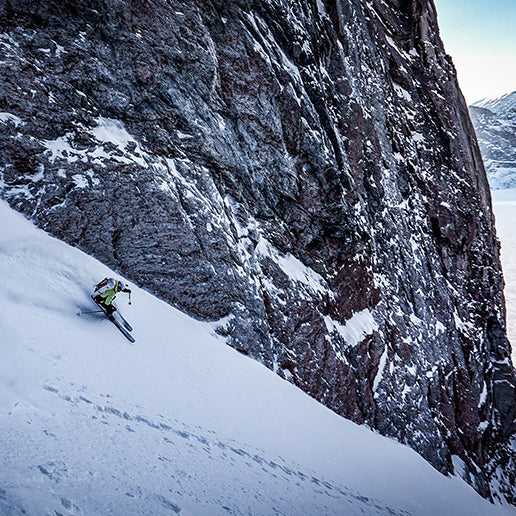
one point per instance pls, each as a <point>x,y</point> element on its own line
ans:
<point>504,203</point>
<point>178,421</point>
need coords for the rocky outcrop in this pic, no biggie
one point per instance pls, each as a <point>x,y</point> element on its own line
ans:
<point>305,172</point>
<point>495,125</point>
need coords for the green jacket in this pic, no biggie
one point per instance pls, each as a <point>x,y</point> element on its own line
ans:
<point>109,295</point>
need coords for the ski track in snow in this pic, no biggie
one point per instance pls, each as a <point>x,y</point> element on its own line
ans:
<point>177,422</point>
<point>173,444</point>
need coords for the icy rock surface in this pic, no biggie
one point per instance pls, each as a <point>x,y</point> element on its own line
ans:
<point>495,125</point>
<point>307,170</point>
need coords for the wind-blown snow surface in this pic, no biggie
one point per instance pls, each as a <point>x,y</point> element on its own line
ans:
<point>178,421</point>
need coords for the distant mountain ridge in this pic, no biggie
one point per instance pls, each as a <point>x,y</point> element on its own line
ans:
<point>494,120</point>
<point>506,104</point>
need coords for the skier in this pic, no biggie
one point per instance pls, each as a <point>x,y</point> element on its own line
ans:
<point>106,291</point>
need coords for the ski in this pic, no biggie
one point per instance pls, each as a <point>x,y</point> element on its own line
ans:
<point>124,326</point>
<point>121,327</point>
<point>118,315</point>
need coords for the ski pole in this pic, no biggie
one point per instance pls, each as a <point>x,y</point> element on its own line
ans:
<point>130,298</point>
<point>91,312</point>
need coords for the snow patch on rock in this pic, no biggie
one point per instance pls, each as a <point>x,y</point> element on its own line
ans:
<point>355,329</point>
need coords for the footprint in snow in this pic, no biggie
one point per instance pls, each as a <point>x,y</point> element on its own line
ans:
<point>69,506</point>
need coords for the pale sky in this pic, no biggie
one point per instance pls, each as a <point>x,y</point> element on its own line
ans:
<point>480,35</point>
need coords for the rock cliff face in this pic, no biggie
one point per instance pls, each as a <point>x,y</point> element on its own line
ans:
<point>495,124</point>
<point>304,171</point>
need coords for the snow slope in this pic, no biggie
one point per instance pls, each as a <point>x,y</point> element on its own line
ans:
<point>178,421</point>
<point>504,204</point>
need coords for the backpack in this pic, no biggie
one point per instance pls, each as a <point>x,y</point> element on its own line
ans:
<point>101,284</point>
